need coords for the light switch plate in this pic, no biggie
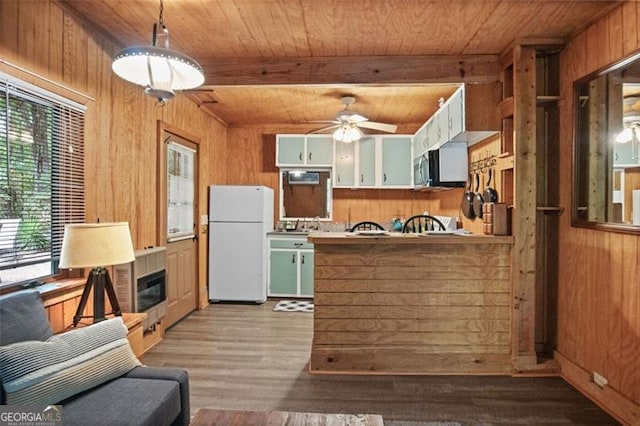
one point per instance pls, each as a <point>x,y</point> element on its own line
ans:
<point>204,219</point>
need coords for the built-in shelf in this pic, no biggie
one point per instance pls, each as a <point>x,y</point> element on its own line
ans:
<point>506,107</point>
<point>547,99</point>
<point>550,209</point>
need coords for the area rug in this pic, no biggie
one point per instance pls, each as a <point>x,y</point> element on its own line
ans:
<point>294,306</point>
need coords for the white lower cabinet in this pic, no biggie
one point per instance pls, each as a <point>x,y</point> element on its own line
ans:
<point>290,266</point>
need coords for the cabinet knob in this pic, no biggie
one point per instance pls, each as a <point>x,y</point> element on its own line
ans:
<point>361,178</point>
<point>302,260</point>
<point>293,258</point>
<point>338,178</point>
<point>297,244</point>
<point>384,177</point>
<point>300,156</point>
<point>310,155</point>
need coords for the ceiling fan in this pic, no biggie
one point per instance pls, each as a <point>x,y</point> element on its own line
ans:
<point>348,123</point>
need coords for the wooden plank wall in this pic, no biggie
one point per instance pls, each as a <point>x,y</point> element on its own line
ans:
<point>417,309</point>
<point>599,292</point>
<point>121,121</point>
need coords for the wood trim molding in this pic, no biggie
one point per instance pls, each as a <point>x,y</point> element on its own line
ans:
<point>610,400</point>
<point>353,70</point>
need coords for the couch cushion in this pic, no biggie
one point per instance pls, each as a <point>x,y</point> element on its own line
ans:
<point>23,317</point>
<point>124,401</point>
<point>47,372</point>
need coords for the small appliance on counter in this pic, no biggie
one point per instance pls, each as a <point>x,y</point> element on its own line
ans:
<point>239,219</point>
<point>450,223</point>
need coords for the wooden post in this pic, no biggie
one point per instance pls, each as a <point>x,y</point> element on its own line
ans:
<point>524,213</point>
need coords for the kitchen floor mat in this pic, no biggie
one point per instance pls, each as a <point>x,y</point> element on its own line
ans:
<point>294,306</point>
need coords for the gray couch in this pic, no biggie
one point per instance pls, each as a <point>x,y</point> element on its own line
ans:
<point>143,396</point>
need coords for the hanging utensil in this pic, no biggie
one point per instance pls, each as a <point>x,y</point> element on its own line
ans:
<point>467,201</point>
<point>490,195</point>
<point>478,201</point>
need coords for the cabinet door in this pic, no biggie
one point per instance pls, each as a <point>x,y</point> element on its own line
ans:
<point>320,150</point>
<point>283,273</point>
<point>420,141</point>
<point>396,161</point>
<point>367,161</point>
<point>306,273</point>
<point>345,164</point>
<point>432,133</point>
<point>456,113</point>
<point>290,150</point>
<point>442,120</point>
<point>623,154</point>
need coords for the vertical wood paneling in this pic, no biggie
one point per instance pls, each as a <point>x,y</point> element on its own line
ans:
<point>9,29</point>
<point>599,295</point>
<point>120,125</point>
<point>629,27</point>
<point>616,35</point>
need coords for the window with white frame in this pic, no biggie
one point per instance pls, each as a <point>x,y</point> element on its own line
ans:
<point>180,191</point>
<point>41,178</point>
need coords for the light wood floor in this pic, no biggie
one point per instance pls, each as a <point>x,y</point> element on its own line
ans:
<point>247,357</point>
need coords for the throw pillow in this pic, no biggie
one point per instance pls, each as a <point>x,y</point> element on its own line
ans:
<point>23,317</point>
<point>45,373</point>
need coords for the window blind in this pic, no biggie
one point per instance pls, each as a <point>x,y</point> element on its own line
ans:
<point>41,177</point>
<point>180,191</point>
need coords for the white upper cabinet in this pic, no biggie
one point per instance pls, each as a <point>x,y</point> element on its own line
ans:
<point>396,161</point>
<point>470,115</point>
<point>345,165</point>
<point>375,161</point>
<point>304,150</point>
<point>474,112</point>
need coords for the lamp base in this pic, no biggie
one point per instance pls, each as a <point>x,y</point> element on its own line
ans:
<point>100,281</point>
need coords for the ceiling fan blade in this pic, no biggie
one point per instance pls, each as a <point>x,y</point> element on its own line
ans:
<point>323,121</point>
<point>324,129</point>
<point>356,118</point>
<point>384,127</point>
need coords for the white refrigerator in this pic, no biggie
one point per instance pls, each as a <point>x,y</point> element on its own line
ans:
<point>239,219</point>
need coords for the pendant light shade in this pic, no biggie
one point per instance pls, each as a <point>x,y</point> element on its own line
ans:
<point>160,70</point>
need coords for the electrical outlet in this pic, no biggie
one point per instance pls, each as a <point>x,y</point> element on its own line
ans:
<point>599,380</point>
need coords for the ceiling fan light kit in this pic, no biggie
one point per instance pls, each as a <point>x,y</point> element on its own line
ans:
<point>160,70</point>
<point>347,134</point>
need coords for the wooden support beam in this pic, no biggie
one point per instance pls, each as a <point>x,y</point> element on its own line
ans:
<point>524,214</point>
<point>352,70</point>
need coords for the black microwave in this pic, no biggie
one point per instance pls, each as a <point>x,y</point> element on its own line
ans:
<point>445,167</point>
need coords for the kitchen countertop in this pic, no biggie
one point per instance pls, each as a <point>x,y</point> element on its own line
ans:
<point>289,233</point>
<point>410,238</point>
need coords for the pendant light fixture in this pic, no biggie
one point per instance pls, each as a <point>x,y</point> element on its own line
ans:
<point>160,70</point>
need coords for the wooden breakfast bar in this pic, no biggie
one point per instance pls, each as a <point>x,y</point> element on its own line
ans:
<point>411,304</point>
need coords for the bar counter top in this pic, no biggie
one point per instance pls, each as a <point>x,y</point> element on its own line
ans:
<point>456,237</point>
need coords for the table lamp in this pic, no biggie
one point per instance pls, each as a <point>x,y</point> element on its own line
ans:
<point>96,245</point>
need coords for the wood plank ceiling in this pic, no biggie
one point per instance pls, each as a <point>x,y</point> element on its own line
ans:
<point>289,61</point>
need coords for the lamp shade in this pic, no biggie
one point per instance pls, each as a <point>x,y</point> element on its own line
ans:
<point>96,244</point>
<point>157,67</point>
